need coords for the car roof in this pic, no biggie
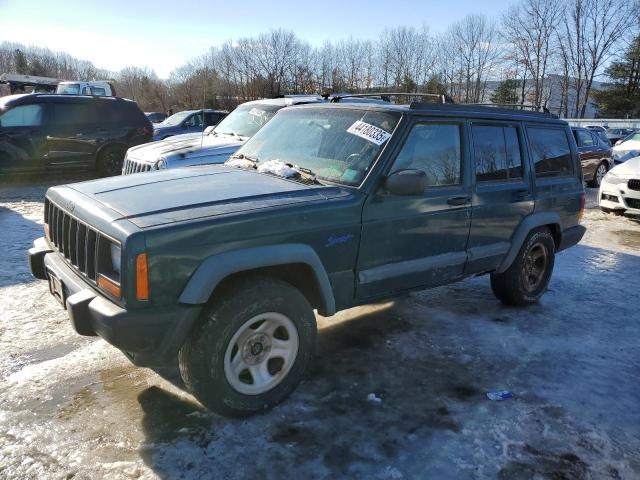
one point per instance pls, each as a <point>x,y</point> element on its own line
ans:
<point>29,98</point>
<point>287,100</point>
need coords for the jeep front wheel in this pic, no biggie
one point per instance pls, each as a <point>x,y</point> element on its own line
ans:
<point>251,348</point>
<point>524,282</point>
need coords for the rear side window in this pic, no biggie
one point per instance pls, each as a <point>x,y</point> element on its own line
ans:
<point>497,153</point>
<point>22,116</point>
<point>129,112</point>
<point>550,151</point>
<point>71,114</point>
<point>585,139</point>
<point>435,149</point>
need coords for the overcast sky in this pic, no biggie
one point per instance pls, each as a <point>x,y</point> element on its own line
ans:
<point>165,34</point>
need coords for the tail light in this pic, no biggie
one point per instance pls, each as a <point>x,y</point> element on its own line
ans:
<point>146,130</point>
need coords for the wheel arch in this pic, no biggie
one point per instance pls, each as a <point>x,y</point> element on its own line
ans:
<point>550,220</point>
<point>297,264</point>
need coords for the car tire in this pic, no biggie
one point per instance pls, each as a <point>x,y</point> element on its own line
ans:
<point>111,159</point>
<point>598,175</point>
<point>526,280</point>
<point>228,362</point>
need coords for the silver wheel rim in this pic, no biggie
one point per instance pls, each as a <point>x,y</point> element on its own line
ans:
<point>261,353</point>
<point>602,171</point>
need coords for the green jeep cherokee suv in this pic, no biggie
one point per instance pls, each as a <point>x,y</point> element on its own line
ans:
<point>327,207</point>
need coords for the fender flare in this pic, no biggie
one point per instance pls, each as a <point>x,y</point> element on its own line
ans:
<point>529,223</point>
<point>217,267</point>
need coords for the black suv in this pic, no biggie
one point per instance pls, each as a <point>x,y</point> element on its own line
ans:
<point>45,132</point>
<point>328,206</point>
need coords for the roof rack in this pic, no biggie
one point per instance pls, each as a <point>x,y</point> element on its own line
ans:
<point>385,96</point>
<point>520,106</point>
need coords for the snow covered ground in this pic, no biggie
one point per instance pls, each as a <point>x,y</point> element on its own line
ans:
<point>73,406</point>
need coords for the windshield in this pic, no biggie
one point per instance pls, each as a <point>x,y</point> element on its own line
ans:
<point>633,136</point>
<point>175,119</point>
<point>246,120</point>
<point>68,88</point>
<point>336,144</point>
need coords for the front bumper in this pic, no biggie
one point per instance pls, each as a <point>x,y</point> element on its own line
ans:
<point>619,198</point>
<point>149,336</point>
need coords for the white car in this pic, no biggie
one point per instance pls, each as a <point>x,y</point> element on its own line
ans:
<point>628,147</point>
<point>215,144</point>
<point>620,189</point>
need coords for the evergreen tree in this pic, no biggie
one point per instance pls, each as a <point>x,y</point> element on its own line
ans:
<point>21,63</point>
<point>621,98</point>
<point>507,92</point>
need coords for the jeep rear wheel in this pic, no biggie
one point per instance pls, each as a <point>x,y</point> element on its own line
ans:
<point>251,348</point>
<point>526,280</point>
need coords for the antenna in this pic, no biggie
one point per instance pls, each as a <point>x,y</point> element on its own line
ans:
<point>204,99</point>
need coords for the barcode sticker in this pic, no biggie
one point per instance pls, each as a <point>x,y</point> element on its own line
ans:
<point>369,132</point>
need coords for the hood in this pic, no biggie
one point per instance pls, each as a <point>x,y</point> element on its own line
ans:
<point>188,145</point>
<point>626,146</point>
<point>630,168</point>
<point>190,193</point>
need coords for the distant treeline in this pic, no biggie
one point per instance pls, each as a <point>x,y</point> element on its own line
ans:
<point>573,40</point>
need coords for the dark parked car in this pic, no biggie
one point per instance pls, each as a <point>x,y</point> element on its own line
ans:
<point>596,155</point>
<point>47,132</point>
<point>156,117</point>
<point>219,268</point>
<point>189,121</point>
<point>616,134</point>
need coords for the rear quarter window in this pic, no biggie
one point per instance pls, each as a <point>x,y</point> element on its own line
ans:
<point>550,152</point>
<point>130,113</point>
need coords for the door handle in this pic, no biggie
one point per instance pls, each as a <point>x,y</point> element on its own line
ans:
<point>456,201</point>
<point>520,194</point>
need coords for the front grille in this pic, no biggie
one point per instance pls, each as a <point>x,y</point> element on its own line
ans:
<point>132,166</point>
<point>634,184</point>
<point>76,241</point>
<point>632,202</point>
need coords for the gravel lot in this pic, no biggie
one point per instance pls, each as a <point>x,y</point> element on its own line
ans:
<point>73,407</point>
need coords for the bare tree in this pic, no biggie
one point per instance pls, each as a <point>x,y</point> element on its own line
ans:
<point>474,39</point>
<point>593,30</point>
<point>529,27</point>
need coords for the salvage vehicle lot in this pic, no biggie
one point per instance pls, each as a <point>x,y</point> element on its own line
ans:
<point>74,406</point>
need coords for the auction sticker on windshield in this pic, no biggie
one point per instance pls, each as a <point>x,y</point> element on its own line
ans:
<point>369,132</point>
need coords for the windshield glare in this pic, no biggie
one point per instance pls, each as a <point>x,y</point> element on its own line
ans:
<point>339,145</point>
<point>246,120</point>
<point>175,119</point>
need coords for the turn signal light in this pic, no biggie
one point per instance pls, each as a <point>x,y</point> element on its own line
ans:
<point>109,285</point>
<point>142,277</point>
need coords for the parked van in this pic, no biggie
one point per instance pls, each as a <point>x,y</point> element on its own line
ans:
<point>96,89</point>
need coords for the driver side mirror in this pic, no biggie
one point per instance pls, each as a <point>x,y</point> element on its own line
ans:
<point>618,142</point>
<point>406,182</point>
<point>209,129</point>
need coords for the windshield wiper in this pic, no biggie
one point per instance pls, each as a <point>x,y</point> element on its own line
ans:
<point>242,156</point>
<point>307,174</point>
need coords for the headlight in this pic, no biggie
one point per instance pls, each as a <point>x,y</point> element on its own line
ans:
<point>116,257</point>
<point>160,164</point>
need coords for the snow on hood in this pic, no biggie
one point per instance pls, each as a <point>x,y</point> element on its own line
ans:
<point>183,146</point>
<point>630,168</point>
<point>279,168</point>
